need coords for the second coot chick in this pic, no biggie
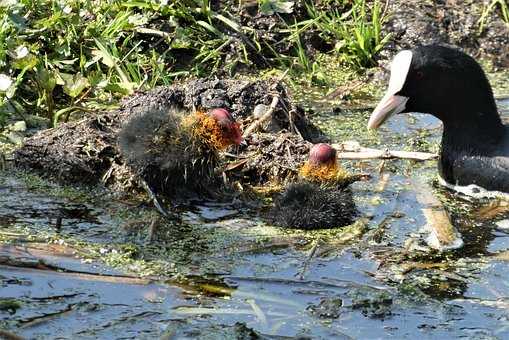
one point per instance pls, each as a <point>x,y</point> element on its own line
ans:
<point>320,199</point>
<point>174,152</point>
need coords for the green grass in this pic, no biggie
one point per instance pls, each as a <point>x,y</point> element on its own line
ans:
<point>501,5</point>
<point>59,60</point>
<point>357,33</point>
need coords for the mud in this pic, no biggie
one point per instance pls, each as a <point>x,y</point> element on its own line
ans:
<point>270,158</point>
<point>269,28</point>
<point>411,23</point>
<point>451,22</point>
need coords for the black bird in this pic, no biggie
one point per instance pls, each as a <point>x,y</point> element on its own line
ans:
<point>174,152</point>
<point>452,86</point>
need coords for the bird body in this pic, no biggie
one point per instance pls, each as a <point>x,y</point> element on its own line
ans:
<point>175,152</point>
<point>486,165</point>
<point>452,86</point>
<point>320,198</point>
<point>307,205</point>
<point>161,147</point>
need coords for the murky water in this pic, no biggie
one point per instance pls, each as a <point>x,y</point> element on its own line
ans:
<point>242,278</point>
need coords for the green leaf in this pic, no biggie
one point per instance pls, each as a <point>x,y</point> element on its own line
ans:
<point>104,55</point>
<point>210,28</point>
<point>269,7</point>
<point>46,79</point>
<point>122,88</point>
<point>75,85</point>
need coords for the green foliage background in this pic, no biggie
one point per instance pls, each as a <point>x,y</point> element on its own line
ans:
<point>58,58</point>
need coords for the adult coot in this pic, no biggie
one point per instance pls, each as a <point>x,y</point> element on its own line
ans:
<point>175,152</point>
<point>320,199</point>
<point>452,86</point>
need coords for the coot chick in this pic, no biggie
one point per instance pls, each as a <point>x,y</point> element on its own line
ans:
<point>320,199</point>
<point>452,86</point>
<point>173,152</point>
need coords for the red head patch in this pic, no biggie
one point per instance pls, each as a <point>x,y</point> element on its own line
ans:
<point>322,153</point>
<point>227,122</point>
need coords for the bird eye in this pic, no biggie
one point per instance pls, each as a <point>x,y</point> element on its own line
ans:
<point>419,75</point>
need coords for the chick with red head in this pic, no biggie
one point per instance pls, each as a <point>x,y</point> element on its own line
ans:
<point>174,153</point>
<point>320,199</point>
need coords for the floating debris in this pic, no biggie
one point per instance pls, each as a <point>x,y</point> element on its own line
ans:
<point>443,235</point>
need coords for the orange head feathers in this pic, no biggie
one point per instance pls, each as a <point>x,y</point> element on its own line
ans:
<point>230,128</point>
<point>322,165</point>
<point>217,128</point>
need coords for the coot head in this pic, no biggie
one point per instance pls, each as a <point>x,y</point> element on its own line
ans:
<point>229,128</point>
<point>322,154</point>
<point>322,166</point>
<point>441,81</point>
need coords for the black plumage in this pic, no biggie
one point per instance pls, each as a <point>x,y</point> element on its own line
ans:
<point>452,86</point>
<point>306,205</point>
<point>320,198</point>
<point>174,153</point>
<point>163,151</point>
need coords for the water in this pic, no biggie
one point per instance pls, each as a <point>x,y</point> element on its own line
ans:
<point>241,276</point>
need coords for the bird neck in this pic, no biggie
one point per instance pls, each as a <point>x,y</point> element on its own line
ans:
<point>330,173</point>
<point>472,127</point>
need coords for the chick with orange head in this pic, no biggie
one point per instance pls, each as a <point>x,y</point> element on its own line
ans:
<point>174,152</point>
<point>320,198</point>
<point>322,167</point>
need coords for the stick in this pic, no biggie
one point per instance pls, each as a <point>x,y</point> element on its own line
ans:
<point>266,116</point>
<point>9,336</point>
<point>80,275</point>
<point>308,259</point>
<point>272,107</point>
<point>387,154</point>
<point>338,283</point>
<point>38,319</point>
<point>352,150</point>
<point>443,234</point>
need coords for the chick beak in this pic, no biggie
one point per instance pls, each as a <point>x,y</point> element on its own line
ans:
<point>392,103</point>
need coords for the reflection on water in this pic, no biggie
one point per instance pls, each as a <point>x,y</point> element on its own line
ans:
<point>503,106</point>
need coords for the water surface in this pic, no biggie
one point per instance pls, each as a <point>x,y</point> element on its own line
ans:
<point>240,277</point>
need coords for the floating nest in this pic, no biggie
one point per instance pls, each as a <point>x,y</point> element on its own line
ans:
<point>273,158</point>
<point>86,151</point>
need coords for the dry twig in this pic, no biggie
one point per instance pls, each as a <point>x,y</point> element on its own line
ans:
<point>352,150</point>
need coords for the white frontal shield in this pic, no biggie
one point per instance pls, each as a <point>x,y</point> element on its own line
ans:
<point>391,103</point>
